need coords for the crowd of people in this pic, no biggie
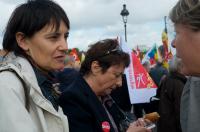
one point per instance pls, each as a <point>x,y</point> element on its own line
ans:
<point>41,90</point>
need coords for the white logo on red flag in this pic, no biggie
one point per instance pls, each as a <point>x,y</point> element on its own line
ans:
<point>143,80</point>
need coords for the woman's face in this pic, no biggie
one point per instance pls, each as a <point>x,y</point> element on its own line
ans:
<point>111,79</point>
<point>187,44</point>
<point>47,47</point>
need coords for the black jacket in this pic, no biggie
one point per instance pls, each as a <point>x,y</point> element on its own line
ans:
<point>157,73</point>
<point>170,92</point>
<point>66,77</point>
<point>84,110</point>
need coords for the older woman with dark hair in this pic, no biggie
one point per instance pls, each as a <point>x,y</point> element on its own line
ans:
<point>36,34</point>
<point>101,72</point>
<point>186,18</point>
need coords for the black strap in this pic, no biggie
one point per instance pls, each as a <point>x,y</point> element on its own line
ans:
<point>27,105</point>
<point>121,119</point>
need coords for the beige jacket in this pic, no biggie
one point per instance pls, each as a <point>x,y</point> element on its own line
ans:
<point>14,117</point>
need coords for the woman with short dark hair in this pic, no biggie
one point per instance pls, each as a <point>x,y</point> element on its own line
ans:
<point>101,72</point>
<point>36,34</point>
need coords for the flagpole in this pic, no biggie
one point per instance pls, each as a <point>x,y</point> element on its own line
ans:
<point>165,21</point>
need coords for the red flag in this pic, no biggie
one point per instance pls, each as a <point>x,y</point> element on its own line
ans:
<point>74,54</point>
<point>140,85</point>
<point>142,77</point>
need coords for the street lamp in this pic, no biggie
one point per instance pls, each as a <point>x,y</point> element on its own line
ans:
<point>124,13</point>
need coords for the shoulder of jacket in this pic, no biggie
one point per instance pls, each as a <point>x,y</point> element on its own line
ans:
<point>9,78</point>
<point>11,66</point>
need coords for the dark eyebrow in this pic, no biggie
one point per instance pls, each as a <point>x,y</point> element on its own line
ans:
<point>52,34</point>
<point>55,34</point>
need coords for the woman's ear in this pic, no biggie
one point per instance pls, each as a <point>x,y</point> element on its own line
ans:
<point>21,40</point>
<point>95,68</point>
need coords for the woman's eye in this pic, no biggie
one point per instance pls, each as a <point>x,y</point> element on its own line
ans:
<point>66,35</point>
<point>53,37</point>
<point>118,75</point>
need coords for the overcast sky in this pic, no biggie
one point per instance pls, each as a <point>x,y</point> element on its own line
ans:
<point>92,20</point>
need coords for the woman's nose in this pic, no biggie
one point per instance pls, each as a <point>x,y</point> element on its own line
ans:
<point>63,45</point>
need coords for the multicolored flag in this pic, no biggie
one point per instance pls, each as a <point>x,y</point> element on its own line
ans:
<point>151,55</point>
<point>165,38</point>
<point>74,53</point>
<point>165,41</point>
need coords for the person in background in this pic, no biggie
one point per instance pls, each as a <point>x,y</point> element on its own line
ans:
<point>158,72</point>
<point>77,65</point>
<point>69,61</point>
<point>3,53</point>
<point>6,56</point>
<point>82,102</point>
<point>36,34</point>
<point>147,66</point>
<point>170,92</point>
<point>68,74</point>
<point>186,18</point>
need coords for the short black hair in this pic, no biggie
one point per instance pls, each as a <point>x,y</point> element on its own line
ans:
<point>30,18</point>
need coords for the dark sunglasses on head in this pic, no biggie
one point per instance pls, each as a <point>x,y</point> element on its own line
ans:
<point>117,49</point>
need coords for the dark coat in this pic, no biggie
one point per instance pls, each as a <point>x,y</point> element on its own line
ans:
<point>157,73</point>
<point>82,107</point>
<point>66,77</point>
<point>170,92</point>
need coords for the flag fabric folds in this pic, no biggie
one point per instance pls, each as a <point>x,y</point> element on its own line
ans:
<point>74,54</point>
<point>165,41</point>
<point>140,85</point>
<point>151,55</point>
<point>143,79</point>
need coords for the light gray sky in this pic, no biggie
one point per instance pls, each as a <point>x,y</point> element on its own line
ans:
<point>92,20</point>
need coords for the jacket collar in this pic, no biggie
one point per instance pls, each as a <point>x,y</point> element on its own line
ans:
<point>35,92</point>
<point>94,103</point>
